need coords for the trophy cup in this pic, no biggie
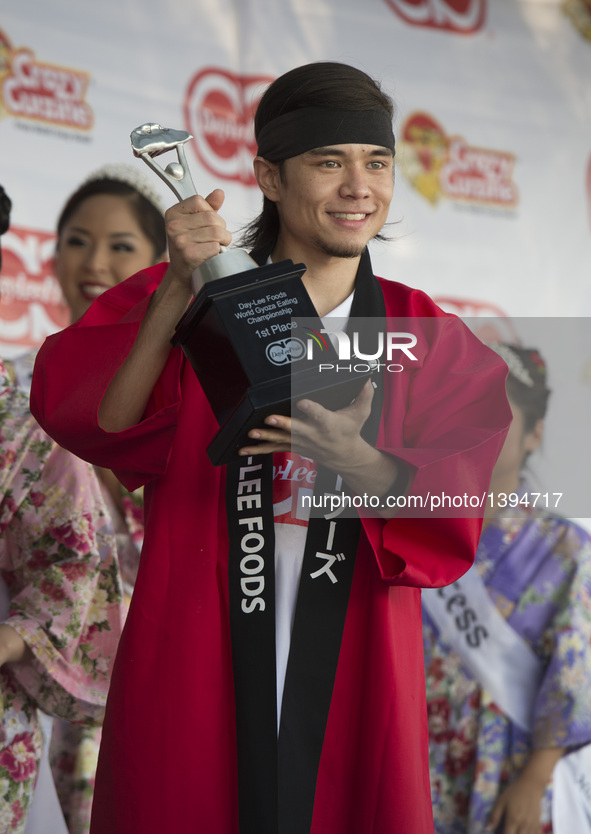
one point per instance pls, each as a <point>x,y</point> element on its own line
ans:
<point>244,333</point>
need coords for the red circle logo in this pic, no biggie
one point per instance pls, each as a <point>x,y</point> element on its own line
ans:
<point>219,108</point>
<point>31,304</point>
<point>459,16</point>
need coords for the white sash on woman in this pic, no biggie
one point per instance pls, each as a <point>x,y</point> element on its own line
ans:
<point>507,668</point>
<point>503,663</point>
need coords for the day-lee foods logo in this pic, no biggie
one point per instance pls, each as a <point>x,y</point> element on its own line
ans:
<point>31,304</point>
<point>33,89</point>
<point>460,16</point>
<point>484,318</point>
<point>219,108</point>
<point>441,166</point>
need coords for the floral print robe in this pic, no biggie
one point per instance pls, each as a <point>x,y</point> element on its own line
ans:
<point>74,747</point>
<point>475,750</point>
<point>58,562</point>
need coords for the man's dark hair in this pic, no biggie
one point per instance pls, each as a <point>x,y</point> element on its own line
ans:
<point>324,84</point>
<point>532,398</point>
<point>5,206</point>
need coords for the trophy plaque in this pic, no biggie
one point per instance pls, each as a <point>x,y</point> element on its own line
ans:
<point>240,332</point>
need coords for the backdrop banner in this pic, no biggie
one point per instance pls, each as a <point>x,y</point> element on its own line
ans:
<point>492,206</point>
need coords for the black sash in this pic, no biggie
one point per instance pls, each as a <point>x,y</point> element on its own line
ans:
<point>277,777</point>
<point>251,576</point>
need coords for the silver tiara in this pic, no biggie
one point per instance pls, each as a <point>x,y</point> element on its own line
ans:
<point>131,176</point>
<point>513,362</point>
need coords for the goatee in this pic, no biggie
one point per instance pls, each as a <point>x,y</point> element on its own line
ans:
<point>342,250</point>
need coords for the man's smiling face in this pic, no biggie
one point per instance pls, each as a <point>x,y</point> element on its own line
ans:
<point>334,200</point>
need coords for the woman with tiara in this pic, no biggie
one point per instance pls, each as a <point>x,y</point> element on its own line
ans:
<point>111,227</point>
<point>508,651</point>
<point>61,604</point>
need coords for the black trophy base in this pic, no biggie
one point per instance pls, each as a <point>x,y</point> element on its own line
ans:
<point>278,396</point>
<point>246,337</point>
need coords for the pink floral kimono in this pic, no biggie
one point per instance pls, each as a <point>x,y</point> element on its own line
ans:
<point>62,594</point>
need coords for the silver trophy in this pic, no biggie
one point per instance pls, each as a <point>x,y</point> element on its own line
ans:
<point>151,140</point>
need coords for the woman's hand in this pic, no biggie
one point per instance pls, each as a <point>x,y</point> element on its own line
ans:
<point>12,646</point>
<point>519,806</point>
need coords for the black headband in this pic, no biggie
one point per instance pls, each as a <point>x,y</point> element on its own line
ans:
<point>316,127</point>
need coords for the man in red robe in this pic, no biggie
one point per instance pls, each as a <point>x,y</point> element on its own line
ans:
<point>304,711</point>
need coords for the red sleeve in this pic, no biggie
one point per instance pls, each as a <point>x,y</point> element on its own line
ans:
<point>74,368</point>
<point>423,553</point>
<point>447,420</point>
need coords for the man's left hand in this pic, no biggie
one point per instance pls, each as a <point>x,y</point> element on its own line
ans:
<point>331,438</point>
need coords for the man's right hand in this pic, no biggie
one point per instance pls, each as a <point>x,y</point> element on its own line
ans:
<point>195,232</point>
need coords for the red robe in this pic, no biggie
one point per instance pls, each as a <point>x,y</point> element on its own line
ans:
<point>168,756</point>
